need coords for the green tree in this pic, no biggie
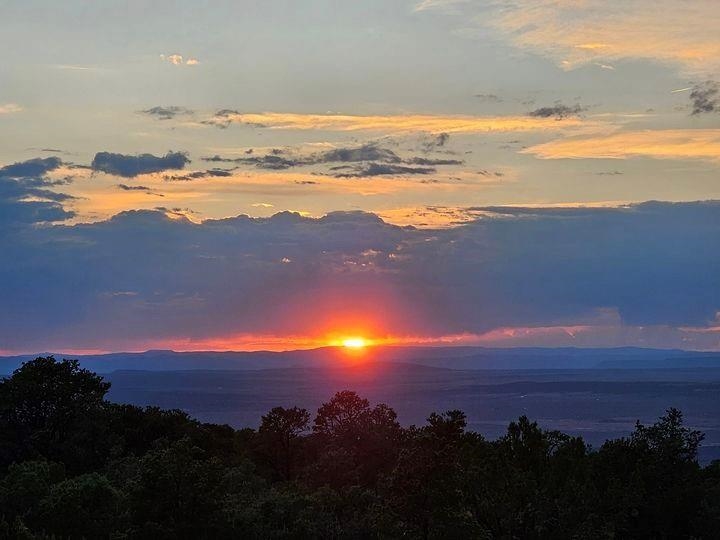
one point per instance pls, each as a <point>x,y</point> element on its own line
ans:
<point>25,486</point>
<point>175,493</point>
<point>51,409</point>
<point>279,437</point>
<point>85,506</point>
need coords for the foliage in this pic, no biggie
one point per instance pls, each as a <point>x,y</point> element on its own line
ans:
<point>76,466</point>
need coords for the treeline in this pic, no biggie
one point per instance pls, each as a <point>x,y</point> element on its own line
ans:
<point>75,466</point>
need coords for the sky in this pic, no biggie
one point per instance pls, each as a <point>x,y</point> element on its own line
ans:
<point>282,174</point>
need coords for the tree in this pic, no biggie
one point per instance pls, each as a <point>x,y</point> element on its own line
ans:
<point>427,486</point>
<point>25,486</point>
<point>343,418</point>
<point>651,481</point>
<point>279,434</point>
<point>85,506</point>
<point>175,493</point>
<point>46,404</point>
<point>347,426</point>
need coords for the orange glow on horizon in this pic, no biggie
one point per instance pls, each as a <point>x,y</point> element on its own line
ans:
<point>354,343</point>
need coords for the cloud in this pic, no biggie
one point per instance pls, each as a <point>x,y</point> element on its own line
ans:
<point>145,189</point>
<point>701,144</point>
<point>649,264</point>
<point>130,166</point>
<point>380,169</point>
<point>366,152</point>
<point>30,168</point>
<point>196,175</point>
<point>432,161</point>
<point>27,197</point>
<point>426,5</point>
<point>434,143</point>
<point>558,111</point>
<point>705,97</point>
<point>166,113</point>
<point>377,160</point>
<point>268,161</point>
<point>9,108</point>
<point>397,123</point>
<point>125,187</point>
<point>178,60</point>
<point>489,98</point>
<point>577,33</point>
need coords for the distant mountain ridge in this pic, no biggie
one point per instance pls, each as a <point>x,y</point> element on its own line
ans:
<point>464,358</point>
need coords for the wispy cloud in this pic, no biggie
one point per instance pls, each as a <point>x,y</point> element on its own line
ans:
<point>701,144</point>
<point>399,123</point>
<point>426,5</point>
<point>166,112</point>
<point>9,108</point>
<point>576,33</point>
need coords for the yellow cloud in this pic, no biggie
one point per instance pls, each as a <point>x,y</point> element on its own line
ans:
<point>578,32</point>
<point>405,123</point>
<point>662,144</point>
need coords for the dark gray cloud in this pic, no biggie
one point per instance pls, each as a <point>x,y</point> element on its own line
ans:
<point>432,162</point>
<point>32,167</point>
<point>144,189</point>
<point>279,159</point>
<point>380,169</point>
<point>369,159</point>
<point>125,187</point>
<point>366,152</point>
<point>705,97</point>
<point>26,196</point>
<point>131,166</point>
<point>196,175</point>
<point>558,111</point>
<point>223,118</point>
<point>166,113</point>
<point>652,264</point>
<point>267,161</point>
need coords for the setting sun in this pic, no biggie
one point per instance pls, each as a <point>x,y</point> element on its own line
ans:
<point>354,343</point>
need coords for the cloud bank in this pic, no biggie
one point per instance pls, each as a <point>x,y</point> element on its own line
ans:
<point>144,277</point>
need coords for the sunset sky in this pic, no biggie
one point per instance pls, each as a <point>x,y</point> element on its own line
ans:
<point>283,174</point>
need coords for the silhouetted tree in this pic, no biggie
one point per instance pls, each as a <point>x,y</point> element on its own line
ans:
<point>51,409</point>
<point>75,466</point>
<point>279,435</point>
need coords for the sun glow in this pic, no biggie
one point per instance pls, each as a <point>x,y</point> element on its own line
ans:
<point>354,343</point>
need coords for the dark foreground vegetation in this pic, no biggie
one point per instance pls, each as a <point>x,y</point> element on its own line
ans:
<point>74,465</point>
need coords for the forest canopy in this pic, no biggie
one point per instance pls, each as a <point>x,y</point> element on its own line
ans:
<point>74,465</point>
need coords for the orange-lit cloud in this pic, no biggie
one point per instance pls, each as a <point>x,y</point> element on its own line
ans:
<point>404,123</point>
<point>610,333</point>
<point>98,196</point>
<point>701,144</point>
<point>579,32</point>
